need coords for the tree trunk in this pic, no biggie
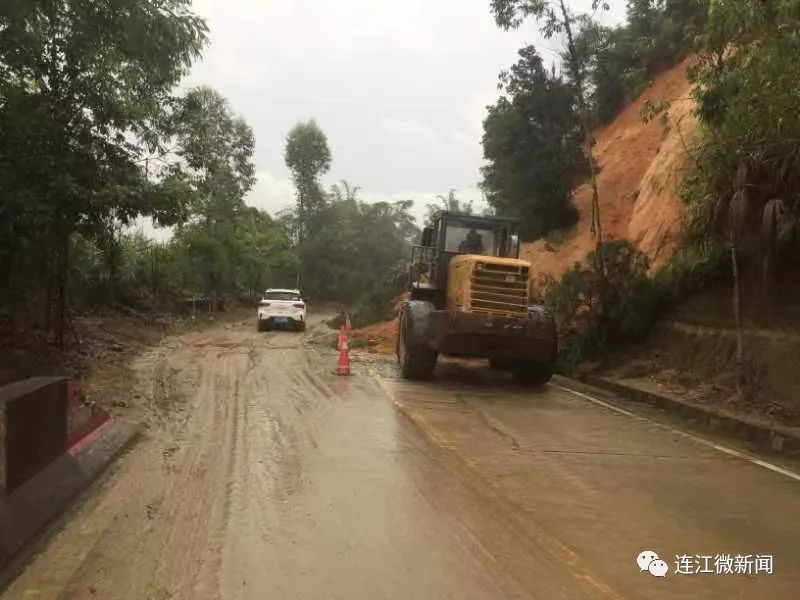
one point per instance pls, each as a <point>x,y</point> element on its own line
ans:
<point>154,272</point>
<point>48,298</point>
<point>737,316</point>
<point>597,226</point>
<point>301,216</point>
<point>63,280</point>
<point>113,267</point>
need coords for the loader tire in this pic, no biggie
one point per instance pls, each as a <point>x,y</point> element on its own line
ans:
<point>415,357</point>
<point>532,373</point>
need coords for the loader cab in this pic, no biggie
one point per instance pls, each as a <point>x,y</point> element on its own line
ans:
<point>452,234</point>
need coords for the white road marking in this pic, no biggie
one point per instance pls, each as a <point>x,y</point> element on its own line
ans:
<point>724,449</point>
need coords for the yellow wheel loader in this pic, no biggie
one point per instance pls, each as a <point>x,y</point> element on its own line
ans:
<point>469,297</point>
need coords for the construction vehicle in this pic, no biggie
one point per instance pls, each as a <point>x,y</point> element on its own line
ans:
<point>469,297</point>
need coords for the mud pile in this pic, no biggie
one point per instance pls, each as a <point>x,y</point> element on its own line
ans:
<point>381,337</point>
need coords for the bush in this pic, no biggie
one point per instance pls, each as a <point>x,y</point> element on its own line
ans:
<point>692,269</point>
<point>556,238</point>
<point>374,308</point>
<point>596,310</point>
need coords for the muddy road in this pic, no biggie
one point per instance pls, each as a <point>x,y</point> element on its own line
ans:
<point>262,475</point>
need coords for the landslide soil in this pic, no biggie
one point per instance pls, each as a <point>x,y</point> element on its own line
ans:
<point>640,166</point>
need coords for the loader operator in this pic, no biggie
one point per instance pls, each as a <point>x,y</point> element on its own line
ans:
<point>472,244</point>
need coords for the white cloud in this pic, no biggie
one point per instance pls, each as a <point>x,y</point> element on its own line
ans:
<point>146,227</point>
<point>400,88</point>
<point>271,193</point>
<point>409,130</point>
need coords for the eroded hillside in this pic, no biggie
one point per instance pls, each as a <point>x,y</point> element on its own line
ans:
<point>640,167</point>
<point>640,171</point>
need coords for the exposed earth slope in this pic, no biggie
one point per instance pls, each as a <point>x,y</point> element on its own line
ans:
<point>640,166</point>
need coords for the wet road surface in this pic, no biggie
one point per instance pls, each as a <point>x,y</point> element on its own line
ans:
<point>263,475</point>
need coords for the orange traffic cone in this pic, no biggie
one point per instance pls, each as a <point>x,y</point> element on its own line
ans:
<point>342,338</point>
<point>343,367</point>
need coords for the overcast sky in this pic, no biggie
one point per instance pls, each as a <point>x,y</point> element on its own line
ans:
<point>399,88</point>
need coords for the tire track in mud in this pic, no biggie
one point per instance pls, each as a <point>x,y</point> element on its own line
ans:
<point>178,553</point>
<point>261,475</point>
<point>269,458</point>
<point>287,434</point>
<point>259,454</point>
<point>214,451</point>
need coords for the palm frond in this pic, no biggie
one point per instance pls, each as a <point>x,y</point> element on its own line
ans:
<point>737,211</point>
<point>740,177</point>
<point>773,221</point>
<point>719,213</point>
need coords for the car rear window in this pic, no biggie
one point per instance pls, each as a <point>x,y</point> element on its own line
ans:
<point>282,296</point>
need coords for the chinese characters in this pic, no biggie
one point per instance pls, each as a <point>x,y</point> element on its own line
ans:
<point>724,564</point>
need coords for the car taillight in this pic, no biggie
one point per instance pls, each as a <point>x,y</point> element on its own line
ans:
<point>299,305</point>
<point>263,303</point>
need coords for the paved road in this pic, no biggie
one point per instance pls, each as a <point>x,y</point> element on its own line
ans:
<point>264,476</point>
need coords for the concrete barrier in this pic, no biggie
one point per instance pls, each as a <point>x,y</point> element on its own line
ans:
<point>33,428</point>
<point>25,513</point>
<point>52,446</point>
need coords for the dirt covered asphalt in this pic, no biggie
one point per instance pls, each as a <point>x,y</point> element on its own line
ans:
<point>263,476</point>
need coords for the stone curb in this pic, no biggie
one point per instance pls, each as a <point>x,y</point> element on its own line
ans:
<point>26,512</point>
<point>764,437</point>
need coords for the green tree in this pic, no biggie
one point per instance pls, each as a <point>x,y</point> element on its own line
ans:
<point>749,121</point>
<point>215,148</point>
<point>621,61</point>
<point>344,192</point>
<point>614,75</point>
<point>555,18</point>
<point>307,156</point>
<point>80,86</point>
<point>531,143</point>
<point>449,202</point>
<point>260,254</point>
<point>596,311</point>
<point>357,249</point>
<point>745,181</point>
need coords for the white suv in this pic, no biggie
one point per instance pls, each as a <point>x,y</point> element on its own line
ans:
<point>282,307</point>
